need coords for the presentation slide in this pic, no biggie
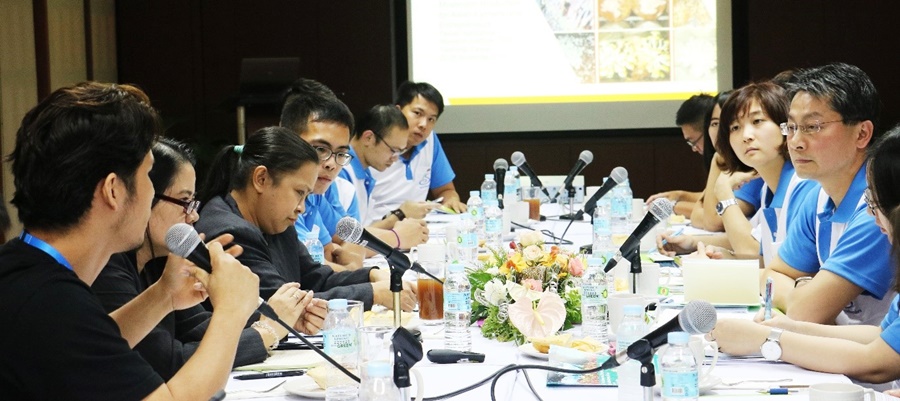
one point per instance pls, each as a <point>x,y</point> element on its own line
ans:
<point>538,65</point>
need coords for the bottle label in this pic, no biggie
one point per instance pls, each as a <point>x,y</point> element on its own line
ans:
<point>318,257</point>
<point>593,294</point>
<point>680,385</point>
<point>493,225</point>
<point>488,194</point>
<point>339,341</point>
<point>602,226</point>
<point>477,212</point>
<point>456,302</point>
<point>467,240</point>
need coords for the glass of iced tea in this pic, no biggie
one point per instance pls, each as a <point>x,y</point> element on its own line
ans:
<point>431,292</point>
<point>532,195</point>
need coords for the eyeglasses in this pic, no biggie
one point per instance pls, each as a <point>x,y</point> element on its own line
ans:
<point>341,158</point>
<point>870,202</point>
<point>394,151</point>
<point>693,144</point>
<point>190,206</point>
<point>809,129</point>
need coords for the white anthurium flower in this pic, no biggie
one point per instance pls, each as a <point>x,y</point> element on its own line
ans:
<point>493,271</point>
<point>495,292</point>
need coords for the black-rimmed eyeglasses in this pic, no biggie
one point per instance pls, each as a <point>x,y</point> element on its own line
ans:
<point>341,158</point>
<point>870,201</point>
<point>190,206</point>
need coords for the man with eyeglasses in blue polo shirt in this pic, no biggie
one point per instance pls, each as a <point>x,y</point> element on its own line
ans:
<point>834,266</point>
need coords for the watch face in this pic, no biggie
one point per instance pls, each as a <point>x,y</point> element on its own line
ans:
<point>771,350</point>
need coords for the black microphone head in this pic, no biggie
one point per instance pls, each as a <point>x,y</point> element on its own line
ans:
<point>500,164</point>
<point>586,156</point>
<point>618,174</point>
<point>349,229</point>
<point>182,239</point>
<point>517,158</point>
<point>661,208</point>
<point>698,317</point>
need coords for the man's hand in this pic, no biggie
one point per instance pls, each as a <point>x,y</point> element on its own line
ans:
<point>289,302</point>
<point>417,210</point>
<point>233,289</point>
<point>411,232</point>
<point>675,245</point>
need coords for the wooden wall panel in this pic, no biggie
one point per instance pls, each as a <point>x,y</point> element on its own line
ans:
<point>65,27</point>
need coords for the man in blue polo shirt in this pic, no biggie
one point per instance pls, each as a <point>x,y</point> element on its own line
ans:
<point>423,168</point>
<point>835,266</point>
<point>380,137</point>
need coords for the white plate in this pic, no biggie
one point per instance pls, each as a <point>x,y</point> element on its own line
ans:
<point>304,386</point>
<point>529,350</point>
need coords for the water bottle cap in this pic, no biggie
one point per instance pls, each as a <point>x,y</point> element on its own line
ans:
<point>513,168</point>
<point>633,309</point>
<point>312,235</point>
<point>337,304</point>
<point>679,338</point>
<point>595,262</point>
<point>473,194</point>
<point>378,369</point>
<point>455,268</point>
<point>489,177</point>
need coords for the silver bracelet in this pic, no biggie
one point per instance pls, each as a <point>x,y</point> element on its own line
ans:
<point>267,328</point>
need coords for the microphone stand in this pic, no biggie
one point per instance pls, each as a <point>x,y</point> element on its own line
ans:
<point>396,286</point>
<point>634,256</point>
<point>642,351</point>
<point>571,193</point>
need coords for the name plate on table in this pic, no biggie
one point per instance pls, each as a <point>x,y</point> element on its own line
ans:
<point>721,282</point>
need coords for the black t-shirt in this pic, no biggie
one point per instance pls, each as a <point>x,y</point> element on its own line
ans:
<point>57,341</point>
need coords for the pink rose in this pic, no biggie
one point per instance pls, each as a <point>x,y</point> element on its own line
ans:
<point>576,268</point>
<point>532,284</point>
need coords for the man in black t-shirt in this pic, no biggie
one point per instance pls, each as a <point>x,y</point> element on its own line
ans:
<point>81,164</point>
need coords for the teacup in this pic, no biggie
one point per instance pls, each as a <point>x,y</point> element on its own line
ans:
<point>840,392</point>
<point>698,346</point>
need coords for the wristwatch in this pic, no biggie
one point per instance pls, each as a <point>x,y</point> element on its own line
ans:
<point>771,349</point>
<point>396,212</point>
<point>722,205</point>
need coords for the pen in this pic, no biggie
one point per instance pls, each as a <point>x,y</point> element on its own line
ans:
<point>673,234</point>
<point>438,200</point>
<point>770,291</point>
<point>269,375</point>
<point>777,391</point>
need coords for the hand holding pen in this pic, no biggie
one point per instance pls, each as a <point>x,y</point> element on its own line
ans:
<point>669,246</point>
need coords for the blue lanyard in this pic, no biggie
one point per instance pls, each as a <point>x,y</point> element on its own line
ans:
<point>47,248</point>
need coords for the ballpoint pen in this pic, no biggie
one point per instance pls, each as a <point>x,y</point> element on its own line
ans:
<point>777,391</point>
<point>269,375</point>
<point>673,234</point>
<point>770,292</point>
<point>438,200</point>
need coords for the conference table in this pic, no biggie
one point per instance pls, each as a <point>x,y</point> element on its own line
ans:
<point>741,378</point>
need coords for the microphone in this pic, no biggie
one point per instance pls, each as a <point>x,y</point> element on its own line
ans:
<point>519,160</point>
<point>660,209</point>
<point>350,230</point>
<point>585,158</point>
<point>500,167</point>
<point>616,177</point>
<point>697,317</point>
<point>183,240</point>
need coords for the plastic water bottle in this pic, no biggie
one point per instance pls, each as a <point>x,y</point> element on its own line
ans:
<point>488,188</point>
<point>476,209</point>
<point>594,292</point>
<point>678,368</point>
<point>457,309</point>
<point>619,216</point>
<point>493,223</point>
<point>631,329</point>
<point>314,246</point>
<point>602,232</point>
<point>627,196</point>
<point>511,186</point>
<point>339,334</point>
<point>379,385</point>
<point>467,240</point>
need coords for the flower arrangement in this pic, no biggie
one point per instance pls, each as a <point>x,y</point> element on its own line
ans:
<point>526,291</point>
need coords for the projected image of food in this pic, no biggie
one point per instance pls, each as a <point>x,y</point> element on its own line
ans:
<point>579,50</point>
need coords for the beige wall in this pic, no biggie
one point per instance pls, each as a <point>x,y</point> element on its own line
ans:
<point>18,71</point>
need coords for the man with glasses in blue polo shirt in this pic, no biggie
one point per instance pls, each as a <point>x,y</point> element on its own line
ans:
<point>835,265</point>
<point>423,169</point>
